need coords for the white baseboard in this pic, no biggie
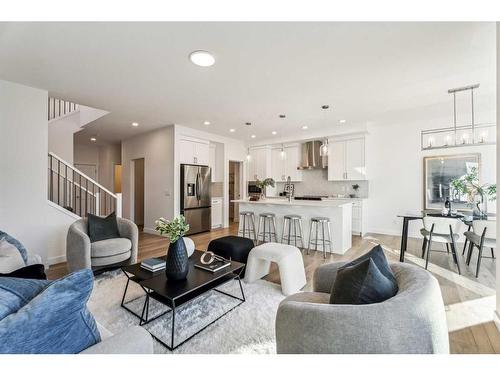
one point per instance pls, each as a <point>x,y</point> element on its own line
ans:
<point>55,260</point>
<point>496,319</point>
<point>150,231</point>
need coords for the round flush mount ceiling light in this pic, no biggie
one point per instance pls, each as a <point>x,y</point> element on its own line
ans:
<point>342,121</point>
<point>135,124</point>
<point>206,122</point>
<point>232,130</point>
<point>93,139</point>
<point>253,136</point>
<point>202,58</point>
<point>305,127</point>
<point>273,133</point>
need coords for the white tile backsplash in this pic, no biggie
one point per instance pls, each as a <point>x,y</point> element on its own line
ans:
<point>315,182</point>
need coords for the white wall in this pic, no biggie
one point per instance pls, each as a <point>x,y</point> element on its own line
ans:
<point>108,156</point>
<point>61,136</point>
<point>394,165</point>
<point>157,149</point>
<point>24,209</point>
<point>86,154</point>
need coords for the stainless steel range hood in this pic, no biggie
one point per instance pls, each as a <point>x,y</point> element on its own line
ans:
<point>311,157</point>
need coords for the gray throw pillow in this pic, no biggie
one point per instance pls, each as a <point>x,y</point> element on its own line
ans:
<point>360,284</point>
<point>102,228</point>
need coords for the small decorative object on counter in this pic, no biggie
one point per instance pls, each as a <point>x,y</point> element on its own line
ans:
<point>263,184</point>
<point>177,266</point>
<point>447,205</point>
<point>355,188</point>
<point>477,195</point>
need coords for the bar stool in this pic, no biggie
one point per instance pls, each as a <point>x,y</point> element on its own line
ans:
<point>316,222</point>
<point>292,222</point>
<point>247,225</point>
<point>270,219</point>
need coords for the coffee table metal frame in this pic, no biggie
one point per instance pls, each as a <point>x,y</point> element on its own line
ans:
<point>171,303</point>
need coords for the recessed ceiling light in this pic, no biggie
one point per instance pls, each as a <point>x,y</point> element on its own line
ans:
<point>206,122</point>
<point>305,127</point>
<point>273,133</point>
<point>135,124</point>
<point>325,106</point>
<point>253,136</point>
<point>232,130</point>
<point>248,123</point>
<point>93,139</point>
<point>202,58</point>
<point>342,121</point>
<point>282,116</point>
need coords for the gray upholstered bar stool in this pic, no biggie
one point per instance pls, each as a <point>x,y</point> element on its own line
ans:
<point>246,227</point>
<point>320,225</point>
<point>267,227</point>
<point>292,236</point>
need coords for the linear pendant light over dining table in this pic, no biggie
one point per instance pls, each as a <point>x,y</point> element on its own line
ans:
<point>475,134</point>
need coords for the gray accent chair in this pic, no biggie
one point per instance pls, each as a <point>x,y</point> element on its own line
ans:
<point>411,322</point>
<point>81,253</point>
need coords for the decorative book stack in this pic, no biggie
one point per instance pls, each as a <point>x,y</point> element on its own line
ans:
<point>153,264</point>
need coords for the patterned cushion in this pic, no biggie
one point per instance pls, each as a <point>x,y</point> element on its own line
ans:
<point>19,246</point>
<point>47,316</point>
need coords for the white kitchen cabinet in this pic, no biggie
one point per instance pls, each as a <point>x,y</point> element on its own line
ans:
<point>357,218</point>
<point>284,166</point>
<point>346,159</point>
<point>216,213</point>
<point>259,165</point>
<point>194,151</point>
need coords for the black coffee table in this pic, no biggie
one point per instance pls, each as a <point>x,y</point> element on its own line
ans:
<point>176,294</point>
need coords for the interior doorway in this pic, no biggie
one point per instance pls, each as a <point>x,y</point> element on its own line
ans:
<point>117,178</point>
<point>138,192</point>
<point>235,189</point>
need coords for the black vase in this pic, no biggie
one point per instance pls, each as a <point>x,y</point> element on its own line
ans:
<point>177,266</point>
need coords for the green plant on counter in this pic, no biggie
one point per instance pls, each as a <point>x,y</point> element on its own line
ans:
<point>174,229</point>
<point>469,185</point>
<point>262,184</point>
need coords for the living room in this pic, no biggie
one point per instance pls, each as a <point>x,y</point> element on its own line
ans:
<point>203,188</point>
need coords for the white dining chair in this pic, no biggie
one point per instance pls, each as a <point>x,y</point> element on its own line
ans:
<point>483,234</point>
<point>442,230</point>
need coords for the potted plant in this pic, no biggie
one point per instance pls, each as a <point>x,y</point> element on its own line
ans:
<point>477,195</point>
<point>355,188</point>
<point>177,266</point>
<point>263,184</point>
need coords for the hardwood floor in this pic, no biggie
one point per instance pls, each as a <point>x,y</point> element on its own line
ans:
<point>481,338</point>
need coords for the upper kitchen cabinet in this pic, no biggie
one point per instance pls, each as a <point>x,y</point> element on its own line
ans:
<point>194,151</point>
<point>216,161</point>
<point>259,165</point>
<point>346,159</point>
<point>284,163</point>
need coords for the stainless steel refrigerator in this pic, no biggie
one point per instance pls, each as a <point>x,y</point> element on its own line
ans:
<point>196,197</point>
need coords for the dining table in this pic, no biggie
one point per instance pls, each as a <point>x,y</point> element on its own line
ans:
<point>411,216</point>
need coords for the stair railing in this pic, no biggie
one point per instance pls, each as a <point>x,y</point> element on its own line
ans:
<point>59,107</point>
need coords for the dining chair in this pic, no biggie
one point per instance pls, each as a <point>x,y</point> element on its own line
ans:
<point>442,230</point>
<point>483,234</point>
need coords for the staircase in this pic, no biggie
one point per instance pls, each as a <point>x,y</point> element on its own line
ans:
<point>77,193</point>
<point>58,108</point>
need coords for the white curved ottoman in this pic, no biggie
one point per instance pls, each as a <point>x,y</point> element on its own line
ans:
<point>290,264</point>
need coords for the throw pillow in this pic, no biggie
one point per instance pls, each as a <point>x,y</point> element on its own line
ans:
<point>378,257</point>
<point>10,257</point>
<point>54,321</point>
<point>360,284</point>
<point>18,245</point>
<point>33,271</point>
<point>102,228</point>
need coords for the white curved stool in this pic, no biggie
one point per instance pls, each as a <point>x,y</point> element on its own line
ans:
<point>290,264</point>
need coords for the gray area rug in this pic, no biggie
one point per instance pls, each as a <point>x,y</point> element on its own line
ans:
<point>249,328</point>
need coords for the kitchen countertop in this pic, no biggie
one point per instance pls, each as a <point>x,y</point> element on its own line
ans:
<point>284,202</point>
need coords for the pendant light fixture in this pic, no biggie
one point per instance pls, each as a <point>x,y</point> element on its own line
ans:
<point>460,135</point>
<point>282,152</point>
<point>323,150</point>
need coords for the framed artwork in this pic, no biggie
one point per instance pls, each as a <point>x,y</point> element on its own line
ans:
<point>439,171</point>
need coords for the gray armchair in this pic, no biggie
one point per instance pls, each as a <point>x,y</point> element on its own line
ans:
<point>81,253</point>
<point>413,321</point>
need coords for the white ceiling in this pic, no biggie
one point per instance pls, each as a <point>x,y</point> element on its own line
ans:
<point>141,72</point>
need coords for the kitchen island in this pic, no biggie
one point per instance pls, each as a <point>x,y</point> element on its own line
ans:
<point>338,211</point>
